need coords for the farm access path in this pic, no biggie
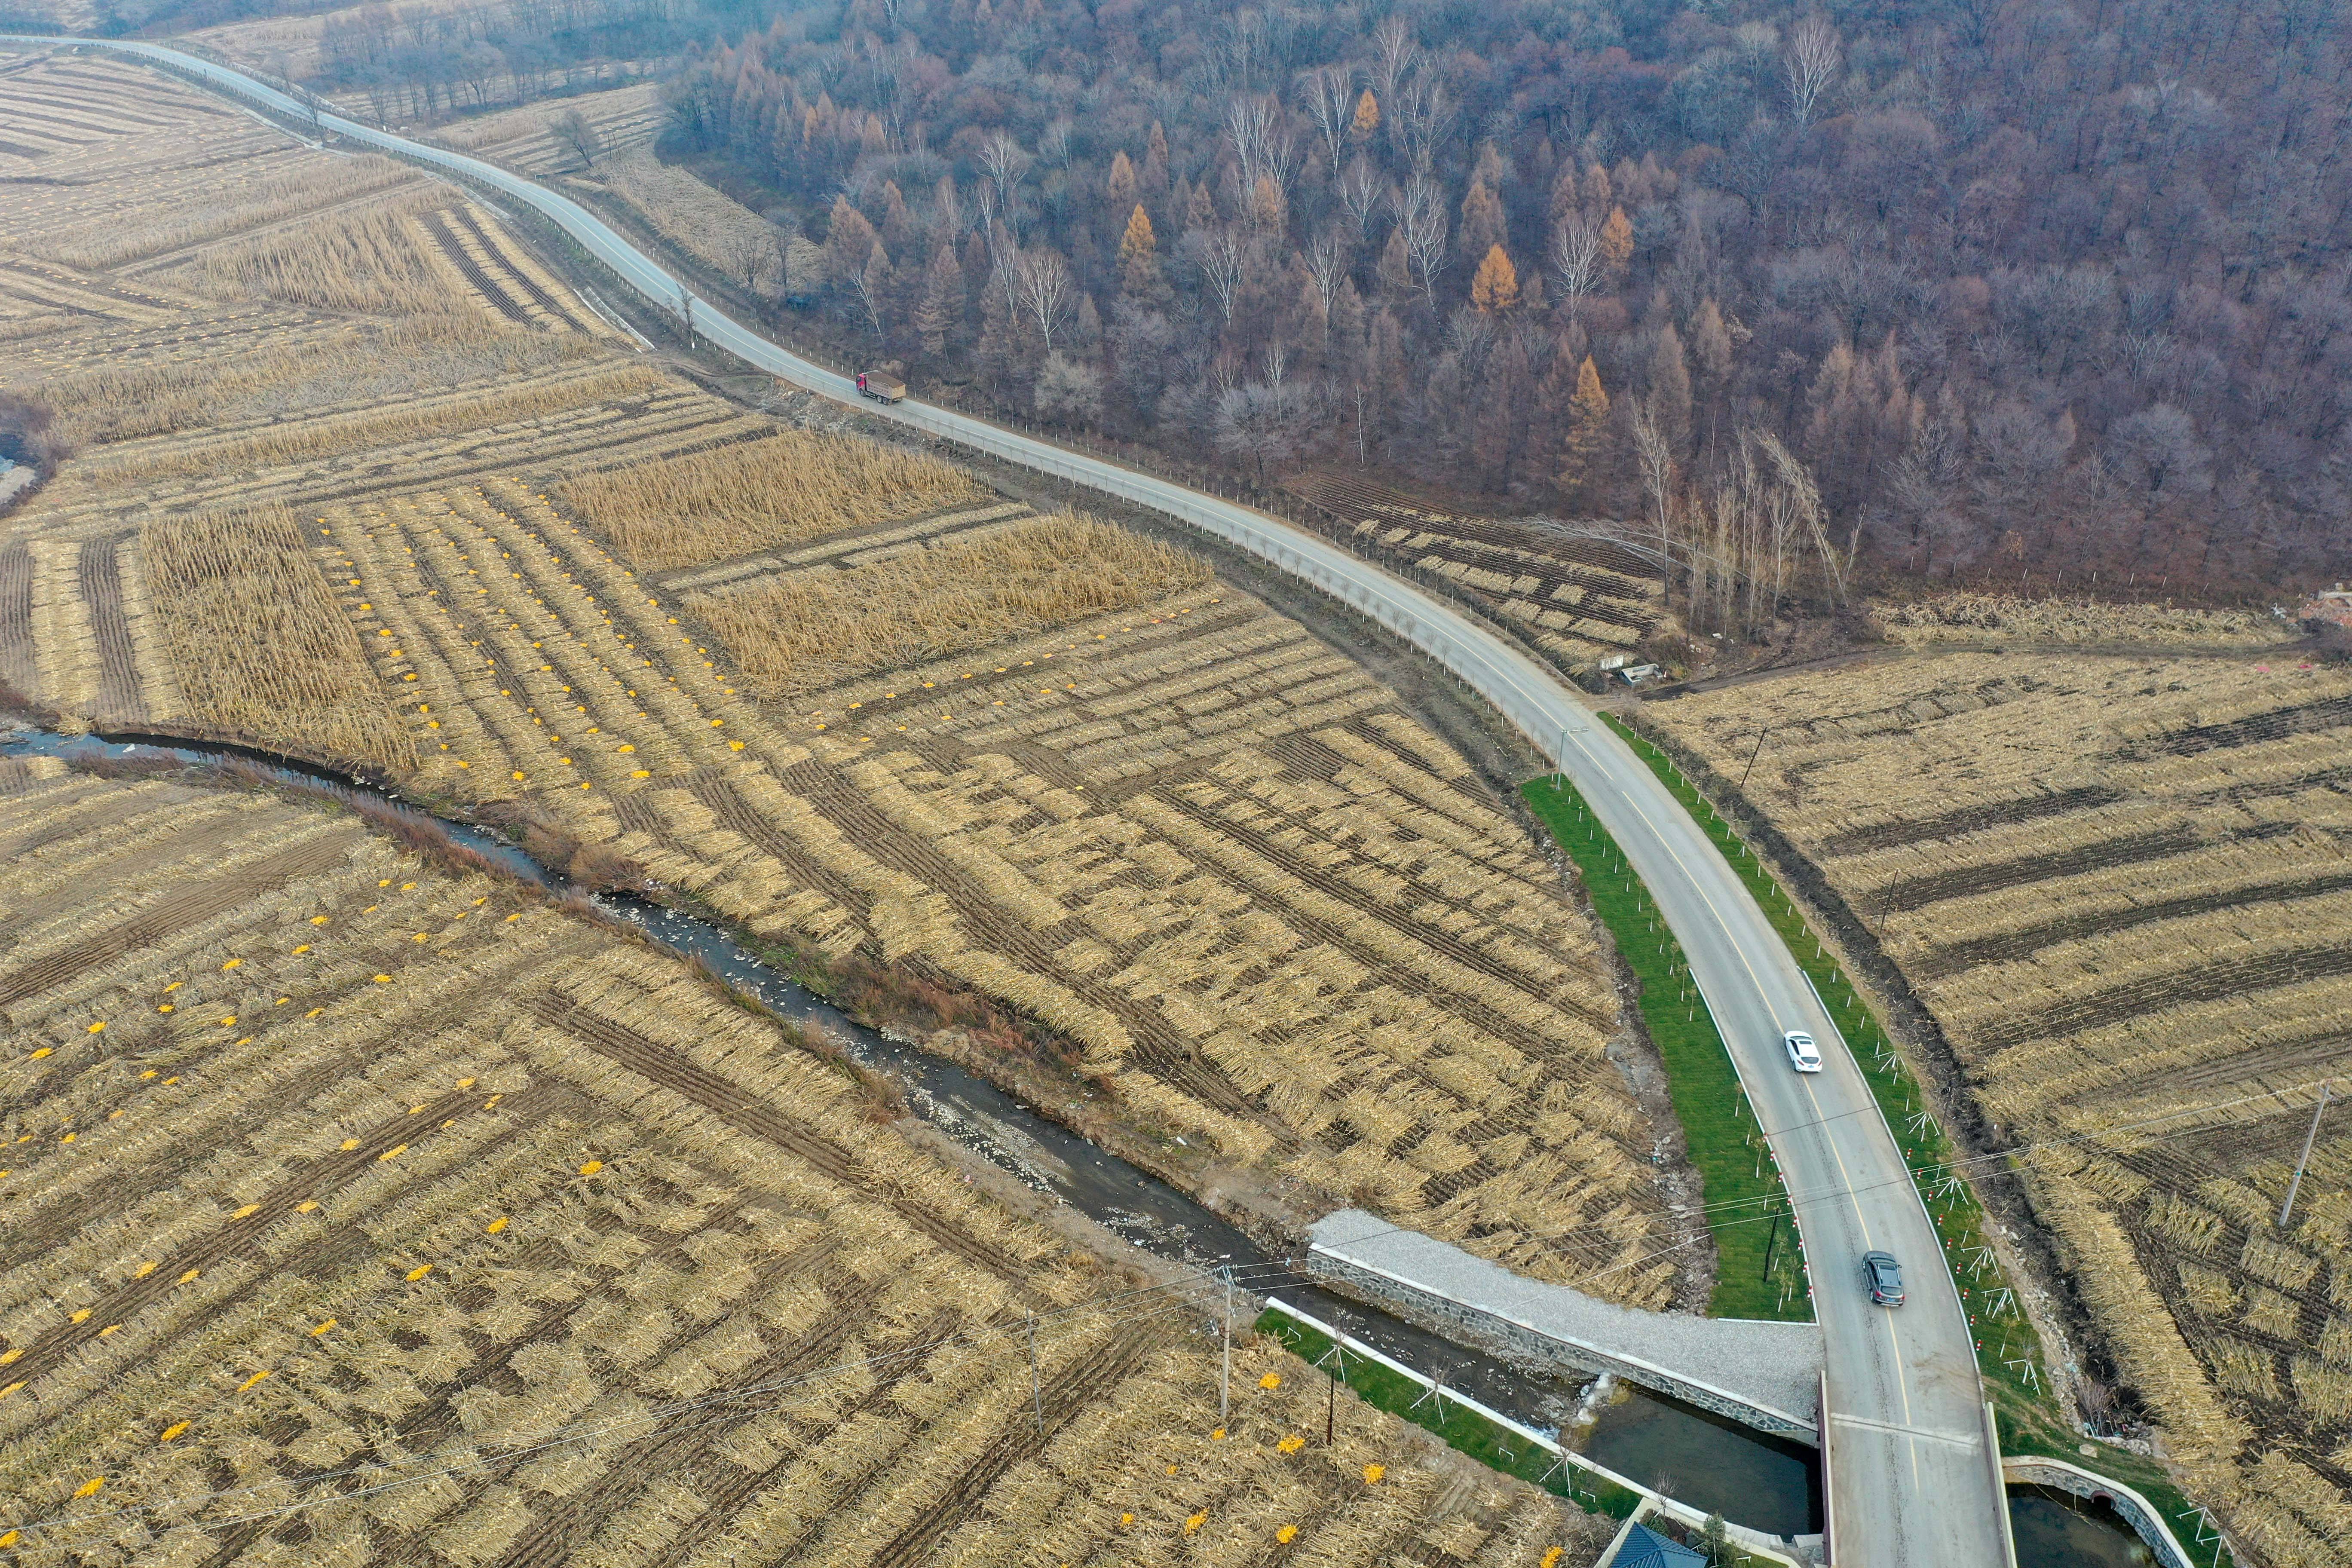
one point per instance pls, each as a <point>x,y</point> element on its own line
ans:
<point>1914,1482</point>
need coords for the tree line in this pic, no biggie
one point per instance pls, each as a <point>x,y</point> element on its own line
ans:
<point>1927,289</point>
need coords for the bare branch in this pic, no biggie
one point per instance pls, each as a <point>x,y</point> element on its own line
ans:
<point>1328,94</point>
<point>1811,65</point>
<point>1575,256</point>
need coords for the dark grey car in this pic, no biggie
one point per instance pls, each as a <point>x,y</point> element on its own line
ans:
<point>1884,1277</point>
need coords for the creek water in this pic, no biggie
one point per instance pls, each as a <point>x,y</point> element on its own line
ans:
<point>1766,1483</point>
<point>2053,1529</point>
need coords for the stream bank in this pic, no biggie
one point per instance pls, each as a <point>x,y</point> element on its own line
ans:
<point>1765,1488</point>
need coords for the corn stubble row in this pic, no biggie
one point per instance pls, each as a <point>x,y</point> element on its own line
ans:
<point>340,1171</point>
<point>1432,1046</point>
<point>784,489</point>
<point>1980,617</point>
<point>233,578</point>
<point>812,630</point>
<point>1181,832</point>
<point>2121,884</point>
<point>406,254</point>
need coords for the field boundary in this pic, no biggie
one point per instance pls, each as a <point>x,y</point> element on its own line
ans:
<point>1758,1273</point>
<point>1482,1434</point>
<point>2029,1422</point>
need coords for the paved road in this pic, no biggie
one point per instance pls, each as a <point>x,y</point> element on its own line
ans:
<point>1913,1486</point>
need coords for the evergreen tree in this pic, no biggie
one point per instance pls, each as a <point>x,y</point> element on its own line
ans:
<point>847,243</point>
<point>1616,243</point>
<point>1670,387</point>
<point>1396,266</point>
<point>1155,162</point>
<point>1484,226</point>
<point>1711,345</point>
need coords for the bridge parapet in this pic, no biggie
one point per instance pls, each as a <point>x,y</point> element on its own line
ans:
<point>1760,1374</point>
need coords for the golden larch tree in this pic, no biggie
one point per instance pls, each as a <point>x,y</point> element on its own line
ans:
<point>1617,243</point>
<point>1483,223</point>
<point>1588,427</point>
<point>1496,288</point>
<point>1138,259</point>
<point>1267,209</point>
<point>1368,114</point>
<point>1120,187</point>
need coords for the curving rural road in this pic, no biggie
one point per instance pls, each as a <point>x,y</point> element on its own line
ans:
<point>1913,1482</point>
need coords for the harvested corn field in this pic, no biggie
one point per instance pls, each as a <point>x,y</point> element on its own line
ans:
<point>2122,886</point>
<point>2007,620</point>
<point>784,489</point>
<point>798,633</point>
<point>222,579</point>
<point>420,251</point>
<point>355,337</point>
<point>1298,947</point>
<point>530,139</point>
<point>706,222</point>
<point>1196,843</point>
<point>1575,598</point>
<point>528,661</point>
<point>325,1162</point>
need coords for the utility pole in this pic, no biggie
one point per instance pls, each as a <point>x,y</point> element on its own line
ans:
<point>2317,1111</point>
<point>1336,1370</point>
<point>1225,1377</point>
<point>1036,1395</point>
<point>1772,1243</point>
<point>1751,756</point>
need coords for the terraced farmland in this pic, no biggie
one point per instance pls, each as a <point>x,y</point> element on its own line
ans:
<point>1187,836</point>
<point>1309,956</point>
<point>2122,885</point>
<point>1576,599</point>
<point>622,118</point>
<point>362,1207</point>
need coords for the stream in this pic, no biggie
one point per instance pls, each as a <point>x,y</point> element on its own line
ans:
<point>1764,1483</point>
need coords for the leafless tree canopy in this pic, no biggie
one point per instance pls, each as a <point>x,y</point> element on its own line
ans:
<point>2026,291</point>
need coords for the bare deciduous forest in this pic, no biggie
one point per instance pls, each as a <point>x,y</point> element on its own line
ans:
<point>1914,291</point>
<point>2024,288</point>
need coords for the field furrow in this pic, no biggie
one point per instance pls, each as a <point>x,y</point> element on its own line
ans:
<point>2119,885</point>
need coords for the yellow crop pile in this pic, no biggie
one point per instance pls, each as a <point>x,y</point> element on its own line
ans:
<point>331,1161</point>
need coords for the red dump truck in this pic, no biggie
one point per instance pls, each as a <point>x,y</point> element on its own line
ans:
<point>880,385</point>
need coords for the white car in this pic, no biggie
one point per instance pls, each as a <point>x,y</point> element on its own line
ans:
<point>1803,1054</point>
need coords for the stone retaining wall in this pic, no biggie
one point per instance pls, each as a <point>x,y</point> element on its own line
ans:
<point>2034,1471</point>
<point>1754,1372</point>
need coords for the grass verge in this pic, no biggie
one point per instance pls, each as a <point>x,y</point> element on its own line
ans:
<point>2007,1346</point>
<point>1759,1267</point>
<point>1496,1448</point>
